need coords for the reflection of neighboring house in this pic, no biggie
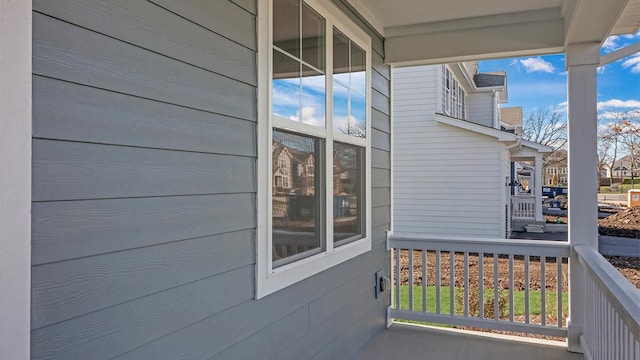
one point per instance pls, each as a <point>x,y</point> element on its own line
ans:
<point>453,150</point>
<point>292,171</point>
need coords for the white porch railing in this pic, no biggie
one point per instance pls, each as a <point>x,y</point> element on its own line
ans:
<point>523,207</point>
<point>462,282</point>
<point>612,307</point>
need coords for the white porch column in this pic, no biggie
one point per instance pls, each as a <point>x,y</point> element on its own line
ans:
<point>537,189</point>
<point>582,61</point>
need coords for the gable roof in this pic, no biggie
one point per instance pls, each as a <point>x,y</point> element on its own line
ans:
<point>494,79</point>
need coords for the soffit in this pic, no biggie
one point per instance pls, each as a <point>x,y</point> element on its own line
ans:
<point>442,31</point>
<point>629,21</point>
<point>393,13</point>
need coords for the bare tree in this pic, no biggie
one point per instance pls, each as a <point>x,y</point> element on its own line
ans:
<point>607,149</point>
<point>630,140</point>
<point>545,127</point>
<point>611,137</point>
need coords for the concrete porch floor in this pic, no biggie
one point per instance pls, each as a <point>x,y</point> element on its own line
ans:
<point>408,342</point>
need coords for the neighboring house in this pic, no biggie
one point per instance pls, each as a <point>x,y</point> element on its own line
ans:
<point>623,168</point>
<point>212,179</point>
<point>555,170</point>
<point>441,112</point>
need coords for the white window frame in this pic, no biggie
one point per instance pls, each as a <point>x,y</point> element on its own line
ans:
<point>268,278</point>
<point>454,98</point>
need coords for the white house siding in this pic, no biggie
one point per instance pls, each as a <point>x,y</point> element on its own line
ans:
<point>447,180</point>
<point>481,109</point>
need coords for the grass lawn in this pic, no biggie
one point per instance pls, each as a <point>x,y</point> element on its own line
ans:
<point>518,300</point>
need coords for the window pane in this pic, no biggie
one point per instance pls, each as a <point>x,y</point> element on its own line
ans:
<point>347,192</point>
<point>296,199</point>
<point>358,115</point>
<point>313,41</point>
<point>358,66</point>
<point>340,57</point>
<point>286,26</point>
<point>340,108</point>
<point>286,86</point>
<point>313,98</point>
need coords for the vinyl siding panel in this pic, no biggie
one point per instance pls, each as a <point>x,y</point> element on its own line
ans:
<point>144,192</point>
<point>481,109</point>
<point>447,180</point>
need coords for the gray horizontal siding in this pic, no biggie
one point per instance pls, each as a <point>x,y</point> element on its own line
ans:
<point>68,52</point>
<point>144,185</point>
<point>215,48</point>
<point>66,289</point>
<point>66,170</point>
<point>68,111</point>
<point>106,333</point>
<point>64,230</point>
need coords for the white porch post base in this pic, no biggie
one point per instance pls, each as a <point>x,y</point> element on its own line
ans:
<point>582,61</point>
<point>573,337</point>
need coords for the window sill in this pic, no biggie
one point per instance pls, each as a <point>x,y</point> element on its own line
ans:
<point>286,275</point>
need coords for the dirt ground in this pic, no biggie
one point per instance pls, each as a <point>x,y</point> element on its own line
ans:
<point>535,281</point>
<point>625,223</point>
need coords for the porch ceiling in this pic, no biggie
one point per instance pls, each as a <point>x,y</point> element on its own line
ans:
<point>436,31</point>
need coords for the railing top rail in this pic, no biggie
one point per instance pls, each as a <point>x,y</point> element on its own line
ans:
<point>622,295</point>
<point>524,197</point>
<point>487,245</point>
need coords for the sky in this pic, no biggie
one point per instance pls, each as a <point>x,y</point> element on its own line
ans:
<point>541,81</point>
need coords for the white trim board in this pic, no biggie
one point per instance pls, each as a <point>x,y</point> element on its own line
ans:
<point>484,130</point>
<point>15,178</point>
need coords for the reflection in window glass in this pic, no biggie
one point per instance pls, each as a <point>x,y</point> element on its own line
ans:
<point>296,200</point>
<point>312,38</point>
<point>347,192</point>
<point>286,86</point>
<point>358,64</point>
<point>340,58</point>
<point>312,111</point>
<point>299,80</point>
<point>349,89</point>
<point>358,115</point>
<point>286,26</point>
<point>340,108</point>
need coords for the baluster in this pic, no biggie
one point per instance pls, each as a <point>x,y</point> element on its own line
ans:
<point>481,282</point>
<point>496,308</point>
<point>527,311</point>
<point>410,253</point>
<point>452,282</point>
<point>438,281</point>
<point>466,284</point>
<point>424,280</point>
<point>543,289</point>
<point>397,251</point>
<point>511,284</point>
<point>559,289</point>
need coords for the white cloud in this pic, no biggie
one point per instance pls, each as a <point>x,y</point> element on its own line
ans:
<point>610,115</point>
<point>616,103</point>
<point>561,108</point>
<point>634,63</point>
<point>611,43</point>
<point>537,64</point>
<point>308,116</point>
